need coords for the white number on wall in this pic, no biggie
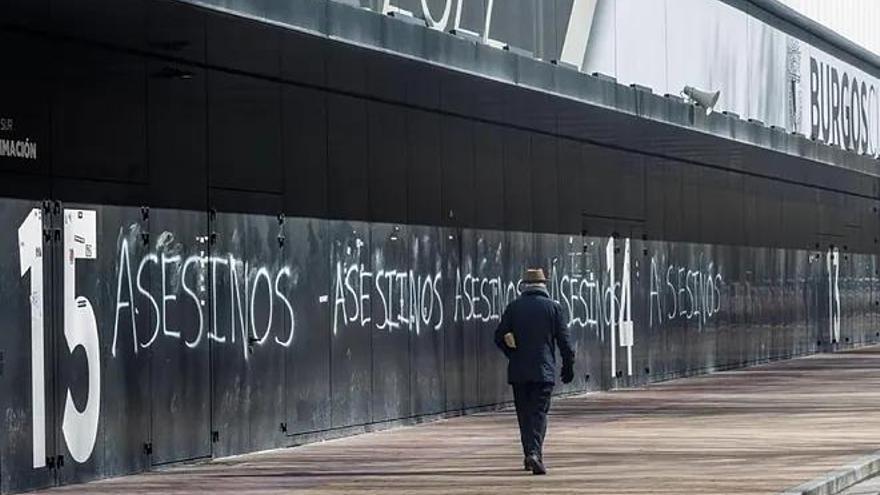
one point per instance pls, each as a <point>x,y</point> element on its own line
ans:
<point>80,428</point>
<point>30,256</point>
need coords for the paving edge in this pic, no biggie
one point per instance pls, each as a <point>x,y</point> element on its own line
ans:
<point>836,481</point>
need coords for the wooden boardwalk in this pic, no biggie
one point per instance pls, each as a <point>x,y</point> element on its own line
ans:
<point>758,430</point>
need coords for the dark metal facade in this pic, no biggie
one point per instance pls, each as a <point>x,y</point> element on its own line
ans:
<point>297,238</point>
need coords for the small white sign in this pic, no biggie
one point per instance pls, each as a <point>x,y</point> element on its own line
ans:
<point>626,334</point>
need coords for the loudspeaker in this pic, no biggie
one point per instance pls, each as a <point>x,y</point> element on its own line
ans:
<point>706,99</point>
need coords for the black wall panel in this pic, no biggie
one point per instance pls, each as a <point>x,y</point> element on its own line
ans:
<point>176,120</point>
<point>305,152</point>
<point>425,150</point>
<point>176,29</point>
<point>269,323</point>
<point>347,145</point>
<point>18,364</point>
<point>126,380</point>
<point>800,217</point>
<point>613,191</point>
<point>308,362</point>
<point>106,21</point>
<point>122,430</point>
<point>458,171</point>
<point>456,95</point>
<point>23,98</point>
<point>721,207</point>
<point>228,335</point>
<point>489,173</point>
<point>517,181</point>
<point>180,365</point>
<point>490,259</point>
<point>388,77</point>
<point>427,350</point>
<point>247,46</point>
<point>303,59</point>
<point>763,207</point>
<point>568,179</point>
<point>691,202</point>
<point>346,67</point>
<point>99,115</point>
<point>472,340</point>
<point>31,13</point>
<point>388,160</point>
<point>392,303</point>
<point>244,133</point>
<point>351,360</point>
<point>543,164</point>
<point>453,337</point>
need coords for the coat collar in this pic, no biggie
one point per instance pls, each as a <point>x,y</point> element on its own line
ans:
<point>535,290</point>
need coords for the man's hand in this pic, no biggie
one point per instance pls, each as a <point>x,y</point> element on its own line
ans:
<point>567,373</point>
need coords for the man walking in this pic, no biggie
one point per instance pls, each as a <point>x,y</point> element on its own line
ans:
<point>530,330</point>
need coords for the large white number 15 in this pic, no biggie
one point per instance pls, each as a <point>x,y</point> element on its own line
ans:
<point>80,428</point>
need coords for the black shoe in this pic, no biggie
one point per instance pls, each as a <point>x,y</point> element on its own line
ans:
<point>526,465</point>
<point>536,464</point>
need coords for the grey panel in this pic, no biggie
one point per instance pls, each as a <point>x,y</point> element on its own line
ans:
<point>462,314</point>
<point>450,245</point>
<point>427,349</point>
<point>487,300</point>
<point>308,364</point>
<point>270,322</point>
<point>394,289</point>
<point>249,331</point>
<point>16,364</point>
<point>350,322</point>
<point>125,400</point>
<point>180,355</point>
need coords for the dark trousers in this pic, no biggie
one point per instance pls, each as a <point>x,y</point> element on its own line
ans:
<point>532,402</point>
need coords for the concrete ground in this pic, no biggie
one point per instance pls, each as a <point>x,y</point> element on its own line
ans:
<point>758,430</point>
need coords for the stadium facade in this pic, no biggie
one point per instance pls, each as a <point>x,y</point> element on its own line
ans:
<point>234,225</point>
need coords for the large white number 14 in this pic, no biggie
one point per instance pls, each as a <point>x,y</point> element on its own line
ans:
<point>80,428</point>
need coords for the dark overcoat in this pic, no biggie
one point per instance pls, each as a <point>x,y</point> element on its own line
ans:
<point>539,327</point>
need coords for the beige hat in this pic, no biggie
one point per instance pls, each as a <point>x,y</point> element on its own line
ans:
<point>534,276</point>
